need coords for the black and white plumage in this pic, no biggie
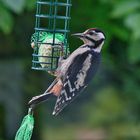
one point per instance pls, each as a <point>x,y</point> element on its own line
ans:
<point>75,73</point>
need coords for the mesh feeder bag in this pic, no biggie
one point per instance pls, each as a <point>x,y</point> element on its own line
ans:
<point>26,129</point>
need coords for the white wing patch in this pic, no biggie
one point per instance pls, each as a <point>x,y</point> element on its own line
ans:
<point>71,89</point>
<point>83,72</point>
<point>70,59</point>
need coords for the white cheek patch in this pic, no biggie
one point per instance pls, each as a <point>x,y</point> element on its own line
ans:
<point>70,59</point>
<point>101,36</point>
<point>98,36</point>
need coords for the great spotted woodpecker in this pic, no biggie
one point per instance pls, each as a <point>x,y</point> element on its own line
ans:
<point>74,73</point>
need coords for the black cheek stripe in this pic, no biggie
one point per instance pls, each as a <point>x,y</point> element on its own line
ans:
<point>97,43</point>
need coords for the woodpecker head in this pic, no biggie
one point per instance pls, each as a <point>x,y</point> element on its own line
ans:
<point>92,37</point>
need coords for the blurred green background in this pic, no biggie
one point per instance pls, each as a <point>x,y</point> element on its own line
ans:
<point>109,109</point>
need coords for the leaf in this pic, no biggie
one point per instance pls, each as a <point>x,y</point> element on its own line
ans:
<point>15,5</point>
<point>124,8</point>
<point>107,102</point>
<point>6,20</point>
<point>30,4</point>
<point>134,52</point>
<point>133,22</point>
<point>119,32</point>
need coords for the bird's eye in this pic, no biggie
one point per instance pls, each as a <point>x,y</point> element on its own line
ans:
<point>91,33</point>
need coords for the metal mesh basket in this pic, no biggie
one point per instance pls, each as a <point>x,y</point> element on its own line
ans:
<point>50,39</point>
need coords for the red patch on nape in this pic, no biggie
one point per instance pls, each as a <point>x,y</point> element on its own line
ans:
<point>92,29</point>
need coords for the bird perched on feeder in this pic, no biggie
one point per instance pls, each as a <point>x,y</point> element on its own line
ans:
<point>75,72</point>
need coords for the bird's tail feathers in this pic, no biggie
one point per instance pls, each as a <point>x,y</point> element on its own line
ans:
<point>43,97</point>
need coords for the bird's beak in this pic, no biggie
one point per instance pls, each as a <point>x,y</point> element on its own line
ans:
<point>79,35</point>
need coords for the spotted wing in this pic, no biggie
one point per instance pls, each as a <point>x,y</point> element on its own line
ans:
<point>76,79</point>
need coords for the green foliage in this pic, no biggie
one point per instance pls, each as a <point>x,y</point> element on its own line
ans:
<point>8,7</point>
<point>125,131</point>
<point>124,8</point>
<point>133,22</point>
<point>133,52</point>
<point>108,107</point>
<point>30,4</point>
<point>15,5</point>
<point>6,21</point>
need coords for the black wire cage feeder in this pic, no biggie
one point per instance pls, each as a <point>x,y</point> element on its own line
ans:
<point>50,40</point>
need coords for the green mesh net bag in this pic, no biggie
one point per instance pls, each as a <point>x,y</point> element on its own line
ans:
<point>26,129</point>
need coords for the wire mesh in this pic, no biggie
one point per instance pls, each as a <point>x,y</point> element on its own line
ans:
<point>50,39</point>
